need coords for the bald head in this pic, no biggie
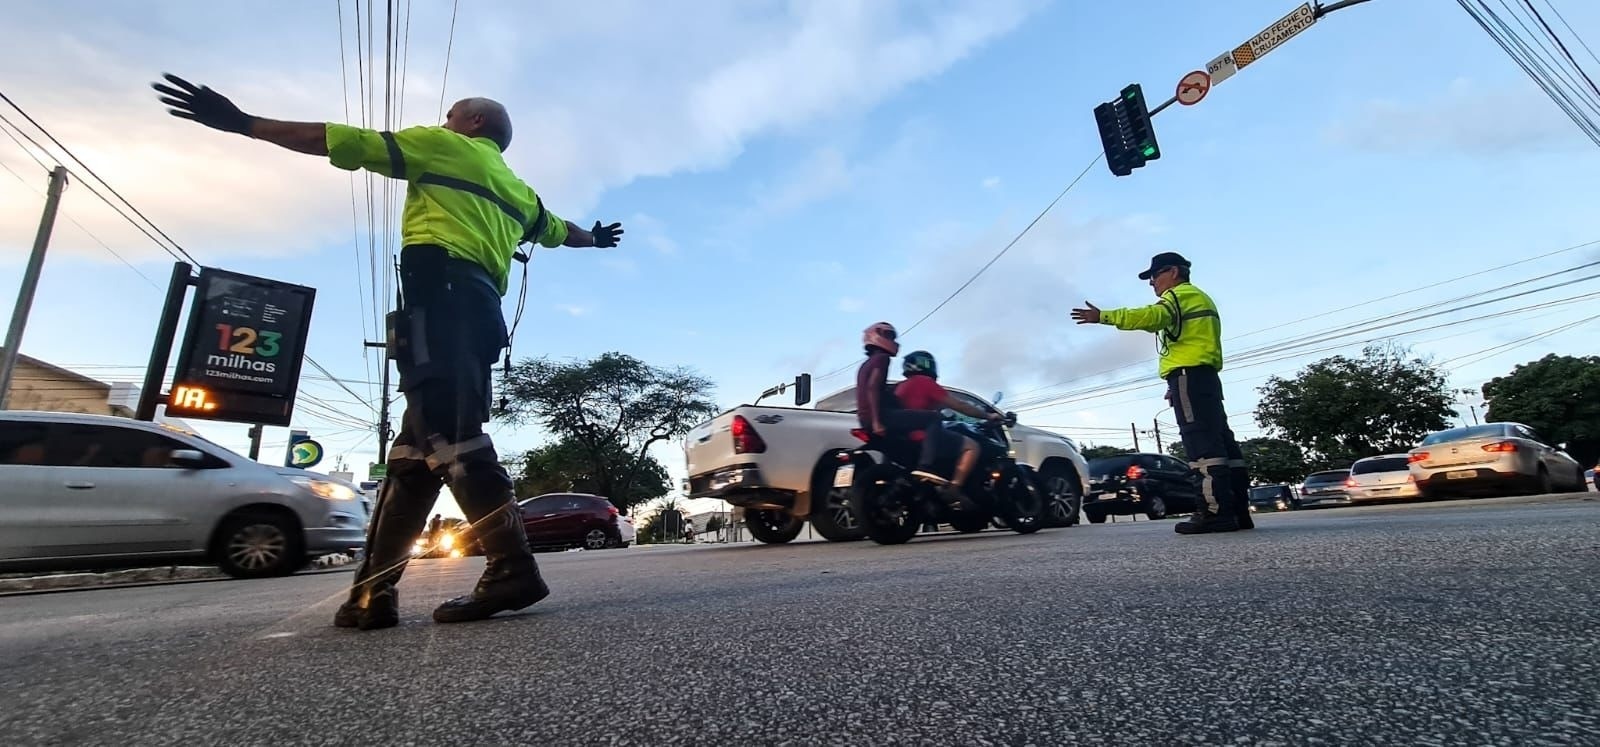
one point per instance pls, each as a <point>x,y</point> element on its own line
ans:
<point>480,117</point>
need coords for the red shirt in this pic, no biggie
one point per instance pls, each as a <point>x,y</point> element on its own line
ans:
<point>921,393</point>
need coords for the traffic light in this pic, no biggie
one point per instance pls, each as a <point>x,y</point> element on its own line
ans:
<point>1126,133</point>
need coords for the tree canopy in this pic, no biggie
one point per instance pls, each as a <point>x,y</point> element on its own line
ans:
<point>1558,396</point>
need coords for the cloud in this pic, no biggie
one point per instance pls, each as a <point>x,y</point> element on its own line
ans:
<point>1010,329</point>
<point>1467,117</point>
<point>991,182</point>
<point>851,305</point>
<point>651,232</point>
<point>621,265</point>
<point>672,92</point>
<point>573,309</point>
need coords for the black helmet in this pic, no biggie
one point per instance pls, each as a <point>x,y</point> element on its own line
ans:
<point>920,362</point>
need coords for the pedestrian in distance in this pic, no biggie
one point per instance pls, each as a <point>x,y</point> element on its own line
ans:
<point>464,216</point>
<point>1189,341</point>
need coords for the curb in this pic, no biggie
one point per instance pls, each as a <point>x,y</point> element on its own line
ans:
<point>139,576</point>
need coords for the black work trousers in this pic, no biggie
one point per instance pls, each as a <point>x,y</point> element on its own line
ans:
<point>1214,455</point>
<point>445,341</point>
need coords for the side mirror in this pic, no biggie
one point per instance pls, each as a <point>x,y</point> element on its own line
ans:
<point>1011,418</point>
<point>188,458</point>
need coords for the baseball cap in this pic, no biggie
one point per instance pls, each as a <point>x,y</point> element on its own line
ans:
<point>1162,261</point>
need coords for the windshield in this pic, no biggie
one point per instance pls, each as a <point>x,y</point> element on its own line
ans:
<point>844,401</point>
<point>1381,464</point>
<point>1490,430</point>
<point>1269,491</point>
<point>1325,477</point>
<point>1110,465</point>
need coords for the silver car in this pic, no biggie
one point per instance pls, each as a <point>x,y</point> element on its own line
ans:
<point>94,491</point>
<point>1381,478</point>
<point>1324,488</point>
<point>1493,458</point>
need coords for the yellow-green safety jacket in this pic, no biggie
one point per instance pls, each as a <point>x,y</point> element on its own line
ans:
<point>460,194</point>
<point>1188,329</point>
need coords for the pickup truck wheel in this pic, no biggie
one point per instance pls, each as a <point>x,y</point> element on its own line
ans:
<point>772,527</point>
<point>830,506</point>
<point>1065,494</point>
<point>885,501</point>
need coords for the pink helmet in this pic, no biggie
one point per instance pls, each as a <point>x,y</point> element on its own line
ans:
<point>881,335</point>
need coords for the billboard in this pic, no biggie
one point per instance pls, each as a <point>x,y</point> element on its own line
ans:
<point>242,351</point>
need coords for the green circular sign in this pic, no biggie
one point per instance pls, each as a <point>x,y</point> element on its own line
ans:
<point>306,454</point>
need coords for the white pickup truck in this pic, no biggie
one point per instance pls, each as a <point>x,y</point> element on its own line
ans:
<point>777,465</point>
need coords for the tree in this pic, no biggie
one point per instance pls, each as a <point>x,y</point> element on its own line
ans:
<point>1176,451</point>
<point>654,530</point>
<point>715,524</point>
<point>1274,460</point>
<point>1101,452</point>
<point>610,409</point>
<point>1558,396</point>
<point>1341,409</point>
<point>564,465</point>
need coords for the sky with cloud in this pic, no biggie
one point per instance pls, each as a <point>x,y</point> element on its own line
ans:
<point>789,172</point>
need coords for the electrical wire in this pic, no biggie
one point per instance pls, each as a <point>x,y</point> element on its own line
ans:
<point>450,45</point>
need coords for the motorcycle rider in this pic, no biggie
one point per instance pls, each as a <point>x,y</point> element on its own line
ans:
<point>877,408</point>
<point>920,391</point>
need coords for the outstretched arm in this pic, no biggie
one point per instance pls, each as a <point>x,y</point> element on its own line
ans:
<point>212,109</point>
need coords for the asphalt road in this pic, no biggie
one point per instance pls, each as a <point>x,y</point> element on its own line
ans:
<point>1460,623</point>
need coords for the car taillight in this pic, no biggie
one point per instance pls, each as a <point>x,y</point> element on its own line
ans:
<point>1135,472</point>
<point>1350,482</point>
<point>612,511</point>
<point>1417,457</point>
<point>745,438</point>
<point>860,434</point>
<point>1500,446</point>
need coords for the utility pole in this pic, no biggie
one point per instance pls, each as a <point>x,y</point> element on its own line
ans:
<point>1156,423</point>
<point>1135,429</point>
<point>383,380</point>
<point>30,282</point>
<point>161,350</point>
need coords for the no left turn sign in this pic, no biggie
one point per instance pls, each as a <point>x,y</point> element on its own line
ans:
<point>1193,87</point>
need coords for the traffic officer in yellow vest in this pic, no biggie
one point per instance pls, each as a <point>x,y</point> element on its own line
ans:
<point>465,214</point>
<point>1189,335</point>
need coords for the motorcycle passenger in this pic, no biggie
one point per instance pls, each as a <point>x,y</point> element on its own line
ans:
<point>876,407</point>
<point>921,392</point>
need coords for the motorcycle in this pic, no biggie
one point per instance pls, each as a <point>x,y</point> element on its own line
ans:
<point>892,505</point>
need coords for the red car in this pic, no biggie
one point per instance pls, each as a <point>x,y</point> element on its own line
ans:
<point>574,520</point>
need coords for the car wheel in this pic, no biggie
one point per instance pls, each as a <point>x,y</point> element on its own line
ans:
<point>596,539</point>
<point>1543,482</point>
<point>1155,508</point>
<point>1095,517</point>
<point>260,546</point>
<point>772,527</point>
<point>1064,493</point>
<point>830,506</point>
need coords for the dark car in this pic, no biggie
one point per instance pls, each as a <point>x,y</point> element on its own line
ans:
<point>562,520</point>
<point>1325,488</point>
<point>1271,498</point>
<point>1152,484</point>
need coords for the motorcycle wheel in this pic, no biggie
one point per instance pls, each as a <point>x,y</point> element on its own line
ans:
<point>1021,501</point>
<point>884,500</point>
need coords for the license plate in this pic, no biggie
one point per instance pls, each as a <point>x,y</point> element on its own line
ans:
<point>844,476</point>
<point>1461,474</point>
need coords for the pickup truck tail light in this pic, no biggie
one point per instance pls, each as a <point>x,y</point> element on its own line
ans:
<point>745,438</point>
<point>1135,472</point>
<point>1501,446</point>
<point>860,434</point>
<point>1349,482</point>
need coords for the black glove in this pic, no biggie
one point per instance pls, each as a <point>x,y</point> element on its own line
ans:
<point>202,105</point>
<point>606,237</point>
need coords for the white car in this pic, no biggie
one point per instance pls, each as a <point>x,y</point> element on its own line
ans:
<point>1381,478</point>
<point>778,466</point>
<point>1491,459</point>
<point>94,490</point>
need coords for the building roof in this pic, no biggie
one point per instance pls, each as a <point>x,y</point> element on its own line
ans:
<point>54,369</point>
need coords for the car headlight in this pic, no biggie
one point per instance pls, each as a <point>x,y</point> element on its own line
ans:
<point>447,540</point>
<point>325,489</point>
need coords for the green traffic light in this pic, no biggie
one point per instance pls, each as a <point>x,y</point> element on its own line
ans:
<point>1148,150</point>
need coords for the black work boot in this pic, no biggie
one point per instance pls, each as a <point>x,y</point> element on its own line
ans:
<point>1205,522</point>
<point>370,607</point>
<point>398,518</point>
<point>1239,476</point>
<point>506,585</point>
<point>511,579</point>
